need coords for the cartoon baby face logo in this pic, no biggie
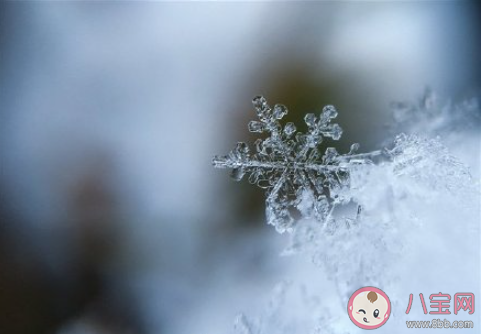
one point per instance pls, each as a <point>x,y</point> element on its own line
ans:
<point>369,308</point>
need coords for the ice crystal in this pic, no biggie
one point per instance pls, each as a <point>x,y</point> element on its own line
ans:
<point>400,199</point>
<point>290,166</point>
<point>411,194</point>
<point>433,115</point>
<point>427,160</point>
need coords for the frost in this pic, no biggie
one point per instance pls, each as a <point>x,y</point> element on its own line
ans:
<point>298,177</point>
<point>361,215</point>
<point>416,172</point>
<point>434,115</point>
<point>429,161</point>
<point>290,166</point>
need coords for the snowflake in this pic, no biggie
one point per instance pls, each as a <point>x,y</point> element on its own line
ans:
<point>289,165</point>
<point>409,191</point>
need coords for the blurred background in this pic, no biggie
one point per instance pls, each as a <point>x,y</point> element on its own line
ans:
<point>112,218</point>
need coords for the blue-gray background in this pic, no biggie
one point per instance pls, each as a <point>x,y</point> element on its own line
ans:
<point>112,217</point>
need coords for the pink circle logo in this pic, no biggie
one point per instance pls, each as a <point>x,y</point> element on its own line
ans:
<point>369,308</point>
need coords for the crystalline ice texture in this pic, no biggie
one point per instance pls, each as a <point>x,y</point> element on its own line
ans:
<point>290,167</point>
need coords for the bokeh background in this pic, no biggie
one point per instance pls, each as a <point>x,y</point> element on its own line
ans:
<point>112,217</point>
